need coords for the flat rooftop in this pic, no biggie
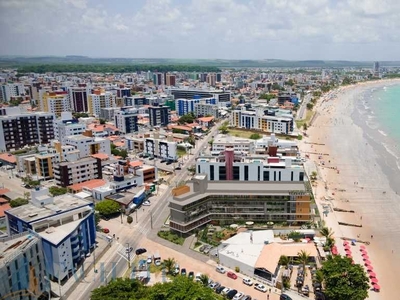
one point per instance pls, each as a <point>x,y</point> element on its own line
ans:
<point>10,247</point>
<point>31,213</point>
<point>281,188</point>
<point>77,162</point>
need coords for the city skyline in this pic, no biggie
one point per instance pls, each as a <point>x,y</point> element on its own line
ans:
<point>230,29</point>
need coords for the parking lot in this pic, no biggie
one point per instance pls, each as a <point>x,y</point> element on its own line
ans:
<point>195,266</point>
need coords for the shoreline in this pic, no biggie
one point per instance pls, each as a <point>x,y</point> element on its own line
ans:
<point>361,184</point>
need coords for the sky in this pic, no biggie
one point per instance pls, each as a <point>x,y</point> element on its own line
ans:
<point>208,29</point>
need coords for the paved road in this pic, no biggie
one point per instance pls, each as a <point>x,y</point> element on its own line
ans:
<point>114,265</point>
<point>303,107</point>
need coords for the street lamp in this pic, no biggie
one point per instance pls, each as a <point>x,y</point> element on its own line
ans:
<point>120,213</point>
<point>129,254</point>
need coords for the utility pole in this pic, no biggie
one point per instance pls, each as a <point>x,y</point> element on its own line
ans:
<point>136,215</point>
<point>120,211</point>
<point>129,254</point>
<point>151,219</point>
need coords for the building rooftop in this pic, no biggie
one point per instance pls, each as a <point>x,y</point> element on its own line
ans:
<point>11,247</point>
<point>7,157</point>
<point>90,184</point>
<point>64,203</point>
<point>78,162</point>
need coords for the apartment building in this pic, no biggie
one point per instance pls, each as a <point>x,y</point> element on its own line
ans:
<point>211,79</point>
<point>67,126</point>
<point>159,115</point>
<point>134,143</point>
<point>258,120</point>
<point>65,225</point>
<point>18,130</point>
<point>22,268</point>
<point>170,79</point>
<point>98,100</point>
<point>55,102</point>
<point>219,95</point>
<point>89,145</point>
<point>107,113</point>
<point>202,109</point>
<point>201,202</point>
<point>11,90</point>
<point>126,120</point>
<point>79,98</point>
<point>71,172</point>
<point>164,148</point>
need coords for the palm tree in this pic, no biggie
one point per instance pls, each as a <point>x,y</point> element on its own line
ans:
<point>169,264</point>
<point>284,261</point>
<point>319,277</point>
<point>303,257</point>
<point>204,279</point>
<point>326,232</point>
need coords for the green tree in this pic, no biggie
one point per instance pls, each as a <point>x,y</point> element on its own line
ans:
<point>18,202</point>
<point>305,126</point>
<point>169,264</point>
<point>107,207</point>
<point>343,279</point>
<point>267,97</point>
<point>303,257</point>
<point>102,121</point>
<point>204,279</point>
<point>129,220</point>
<point>325,231</point>
<point>57,191</point>
<point>255,136</point>
<point>188,118</point>
<point>121,289</point>
<point>224,128</point>
<point>284,260</point>
<point>310,106</point>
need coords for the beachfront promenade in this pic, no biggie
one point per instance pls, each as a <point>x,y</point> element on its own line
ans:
<point>350,178</point>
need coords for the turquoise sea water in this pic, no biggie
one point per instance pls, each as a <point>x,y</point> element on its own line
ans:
<point>385,106</point>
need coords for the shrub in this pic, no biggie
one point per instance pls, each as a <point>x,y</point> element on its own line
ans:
<point>237,269</point>
<point>172,237</point>
<point>197,244</point>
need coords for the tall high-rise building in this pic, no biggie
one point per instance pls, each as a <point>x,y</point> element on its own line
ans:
<point>159,115</point>
<point>11,90</point>
<point>170,79</point>
<point>376,68</point>
<point>219,77</point>
<point>126,120</point>
<point>158,79</point>
<point>100,99</point>
<point>79,98</point>
<point>211,79</point>
<point>55,102</point>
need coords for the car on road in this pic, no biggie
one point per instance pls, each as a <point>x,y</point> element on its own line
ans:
<point>106,230</point>
<point>225,291</point>
<point>232,275</point>
<point>178,168</point>
<point>238,296</point>
<point>260,287</point>
<point>231,294</point>
<point>128,250</point>
<point>219,289</point>
<point>140,251</point>
<point>183,272</point>
<point>285,297</point>
<point>220,269</point>
<point>191,275</point>
<point>247,281</point>
<point>146,203</point>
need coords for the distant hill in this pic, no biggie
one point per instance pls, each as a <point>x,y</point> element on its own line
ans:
<point>18,61</point>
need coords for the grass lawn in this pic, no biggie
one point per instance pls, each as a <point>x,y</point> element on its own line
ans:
<point>241,133</point>
<point>309,115</point>
<point>180,151</point>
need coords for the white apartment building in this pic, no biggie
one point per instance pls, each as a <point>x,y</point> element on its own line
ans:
<point>206,109</point>
<point>100,100</point>
<point>126,120</point>
<point>220,142</point>
<point>84,169</point>
<point>11,90</point>
<point>88,145</point>
<point>256,119</point>
<point>55,102</point>
<point>67,126</point>
<point>161,148</point>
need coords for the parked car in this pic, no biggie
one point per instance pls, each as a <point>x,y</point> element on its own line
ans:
<point>219,289</point>
<point>140,251</point>
<point>191,275</point>
<point>106,230</point>
<point>247,281</point>
<point>220,269</point>
<point>198,277</point>
<point>183,272</point>
<point>238,296</point>
<point>207,249</point>
<point>285,297</point>
<point>157,262</point>
<point>247,297</point>
<point>231,275</point>
<point>176,269</point>
<point>213,285</point>
<point>231,294</point>
<point>260,287</point>
<point>149,259</point>
<point>225,291</point>
<point>202,248</point>
<point>146,203</point>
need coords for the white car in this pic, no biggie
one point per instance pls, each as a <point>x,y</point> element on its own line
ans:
<point>238,296</point>
<point>225,291</point>
<point>198,277</point>
<point>149,259</point>
<point>157,262</point>
<point>220,269</point>
<point>146,203</point>
<point>247,281</point>
<point>260,287</point>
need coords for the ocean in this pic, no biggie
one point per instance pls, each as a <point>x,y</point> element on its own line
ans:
<point>377,112</point>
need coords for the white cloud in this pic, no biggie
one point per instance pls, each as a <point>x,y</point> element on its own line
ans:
<point>199,28</point>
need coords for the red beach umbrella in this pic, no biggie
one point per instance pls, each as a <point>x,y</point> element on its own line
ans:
<point>345,243</point>
<point>365,257</point>
<point>347,247</point>
<point>362,247</point>
<point>367,262</point>
<point>374,280</point>
<point>372,274</point>
<point>377,287</point>
<point>370,269</point>
<point>364,254</point>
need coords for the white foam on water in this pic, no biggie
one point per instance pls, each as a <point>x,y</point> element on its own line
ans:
<point>382,132</point>
<point>390,150</point>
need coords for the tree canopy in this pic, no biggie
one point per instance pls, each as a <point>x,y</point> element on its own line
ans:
<point>57,191</point>
<point>118,152</point>
<point>18,202</point>
<point>343,279</point>
<point>179,288</point>
<point>107,207</point>
<point>188,118</point>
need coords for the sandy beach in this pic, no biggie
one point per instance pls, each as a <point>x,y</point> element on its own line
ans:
<point>349,172</point>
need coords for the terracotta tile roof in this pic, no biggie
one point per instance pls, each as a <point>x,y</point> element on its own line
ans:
<point>206,119</point>
<point>136,163</point>
<point>4,191</point>
<point>3,208</point>
<point>100,156</point>
<point>90,184</point>
<point>8,158</point>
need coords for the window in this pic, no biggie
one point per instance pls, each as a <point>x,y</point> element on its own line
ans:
<point>291,176</point>
<point>246,173</point>
<point>301,177</point>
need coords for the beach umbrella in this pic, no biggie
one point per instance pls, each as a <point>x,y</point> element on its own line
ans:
<point>372,274</point>
<point>377,287</point>
<point>364,254</point>
<point>370,268</point>
<point>365,257</point>
<point>345,243</point>
<point>347,246</point>
<point>364,251</point>
<point>362,247</point>
<point>348,251</point>
<point>374,280</point>
<point>367,262</point>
